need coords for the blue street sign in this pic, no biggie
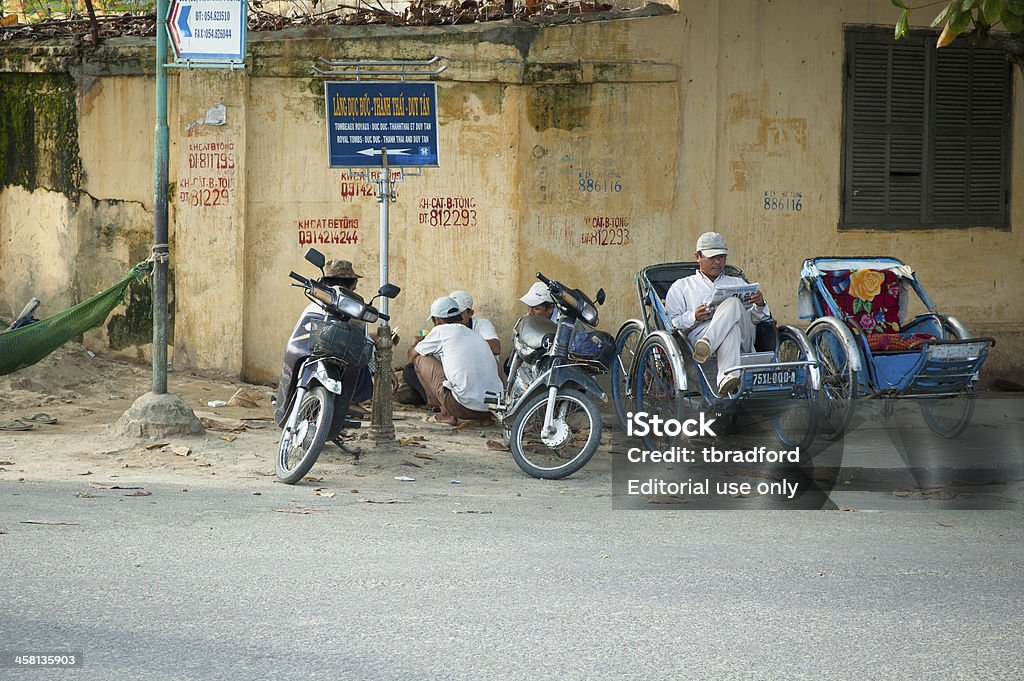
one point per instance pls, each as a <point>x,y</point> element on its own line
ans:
<point>365,117</point>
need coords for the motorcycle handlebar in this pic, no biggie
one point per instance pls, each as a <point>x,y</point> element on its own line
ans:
<point>325,295</point>
<point>547,282</point>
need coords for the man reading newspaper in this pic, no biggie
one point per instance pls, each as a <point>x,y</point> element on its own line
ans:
<point>716,311</point>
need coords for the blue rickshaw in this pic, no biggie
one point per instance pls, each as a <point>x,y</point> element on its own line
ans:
<point>870,345</point>
<point>654,370</point>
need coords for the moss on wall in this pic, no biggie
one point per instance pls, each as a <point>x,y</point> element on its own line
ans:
<point>559,106</point>
<point>135,327</point>
<point>39,133</point>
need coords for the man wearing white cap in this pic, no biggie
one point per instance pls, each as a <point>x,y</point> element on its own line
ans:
<point>482,326</point>
<point>539,301</point>
<point>722,331</point>
<point>455,366</point>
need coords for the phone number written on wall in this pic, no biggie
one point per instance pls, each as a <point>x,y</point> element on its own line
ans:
<point>339,230</point>
<point>448,211</point>
<point>210,182</point>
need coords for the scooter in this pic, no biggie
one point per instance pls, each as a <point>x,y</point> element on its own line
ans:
<point>552,422</point>
<point>322,361</point>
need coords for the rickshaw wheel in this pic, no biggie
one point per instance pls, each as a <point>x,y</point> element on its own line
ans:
<point>796,423</point>
<point>627,342</point>
<point>838,381</point>
<point>656,390</point>
<point>949,416</point>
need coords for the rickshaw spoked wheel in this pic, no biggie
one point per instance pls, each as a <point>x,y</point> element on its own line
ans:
<point>949,416</point>
<point>796,423</point>
<point>838,380</point>
<point>656,390</point>
<point>627,343</point>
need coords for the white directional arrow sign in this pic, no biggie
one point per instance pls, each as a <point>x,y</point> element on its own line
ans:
<point>364,118</point>
<point>377,152</point>
<point>207,30</point>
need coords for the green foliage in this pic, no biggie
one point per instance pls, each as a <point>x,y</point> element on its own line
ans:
<point>960,16</point>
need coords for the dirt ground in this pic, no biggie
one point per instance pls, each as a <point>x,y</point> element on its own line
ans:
<point>86,394</point>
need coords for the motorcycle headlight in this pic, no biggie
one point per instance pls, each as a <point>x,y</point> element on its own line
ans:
<point>352,308</point>
<point>589,314</point>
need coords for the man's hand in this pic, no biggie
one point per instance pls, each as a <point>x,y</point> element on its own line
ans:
<point>703,313</point>
<point>757,298</point>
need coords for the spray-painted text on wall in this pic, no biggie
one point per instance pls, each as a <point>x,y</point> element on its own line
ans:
<point>337,230</point>
<point>602,230</point>
<point>597,183</point>
<point>783,200</point>
<point>210,182</point>
<point>448,211</point>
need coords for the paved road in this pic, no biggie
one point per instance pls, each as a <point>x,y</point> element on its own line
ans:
<point>487,580</point>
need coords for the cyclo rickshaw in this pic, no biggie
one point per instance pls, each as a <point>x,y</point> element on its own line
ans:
<point>858,306</point>
<point>654,370</point>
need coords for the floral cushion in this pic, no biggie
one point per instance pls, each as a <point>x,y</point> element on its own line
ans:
<point>869,301</point>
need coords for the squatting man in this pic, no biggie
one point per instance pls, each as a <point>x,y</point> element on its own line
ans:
<point>723,331</point>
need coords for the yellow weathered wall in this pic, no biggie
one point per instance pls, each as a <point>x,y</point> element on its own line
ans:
<point>683,122</point>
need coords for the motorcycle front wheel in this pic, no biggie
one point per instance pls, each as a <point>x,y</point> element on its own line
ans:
<point>576,433</point>
<point>299,449</point>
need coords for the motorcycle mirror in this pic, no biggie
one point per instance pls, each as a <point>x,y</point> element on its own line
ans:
<point>388,291</point>
<point>316,257</point>
<point>600,296</point>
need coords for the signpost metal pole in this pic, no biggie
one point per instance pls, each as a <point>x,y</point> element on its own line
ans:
<point>382,425</point>
<point>161,248</point>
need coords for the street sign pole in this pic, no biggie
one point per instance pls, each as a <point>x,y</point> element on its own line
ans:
<point>161,247</point>
<point>382,425</point>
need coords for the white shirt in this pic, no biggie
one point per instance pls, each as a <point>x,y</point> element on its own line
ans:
<point>484,327</point>
<point>689,293</point>
<point>469,368</point>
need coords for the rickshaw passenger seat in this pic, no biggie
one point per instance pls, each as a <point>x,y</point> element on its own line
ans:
<point>869,301</point>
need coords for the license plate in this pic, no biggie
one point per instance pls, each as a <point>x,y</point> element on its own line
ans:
<point>771,378</point>
<point>956,351</point>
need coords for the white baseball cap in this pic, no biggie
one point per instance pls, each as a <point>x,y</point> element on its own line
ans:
<point>537,295</point>
<point>444,307</point>
<point>463,298</point>
<point>710,244</point>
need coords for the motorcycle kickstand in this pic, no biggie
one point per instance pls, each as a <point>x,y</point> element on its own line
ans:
<point>355,453</point>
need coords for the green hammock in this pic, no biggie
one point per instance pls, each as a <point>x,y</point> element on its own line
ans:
<point>27,345</point>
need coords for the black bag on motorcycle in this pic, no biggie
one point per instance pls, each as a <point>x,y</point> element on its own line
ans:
<point>340,343</point>
<point>594,345</point>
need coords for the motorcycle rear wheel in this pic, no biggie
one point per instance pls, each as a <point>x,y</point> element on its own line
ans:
<point>299,450</point>
<point>577,423</point>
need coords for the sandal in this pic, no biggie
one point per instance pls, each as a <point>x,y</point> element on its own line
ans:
<point>41,417</point>
<point>431,419</point>
<point>17,424</point>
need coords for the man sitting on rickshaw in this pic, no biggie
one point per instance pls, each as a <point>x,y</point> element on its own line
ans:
<point>724,330</point>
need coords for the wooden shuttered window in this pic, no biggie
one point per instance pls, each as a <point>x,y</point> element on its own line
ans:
<point>926,140</point>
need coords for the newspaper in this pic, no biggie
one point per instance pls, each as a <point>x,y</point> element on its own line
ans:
<point>741,291</point>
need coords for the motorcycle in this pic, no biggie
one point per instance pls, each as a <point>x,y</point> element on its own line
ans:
<point>322,361</point>
<point>553,424</point>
